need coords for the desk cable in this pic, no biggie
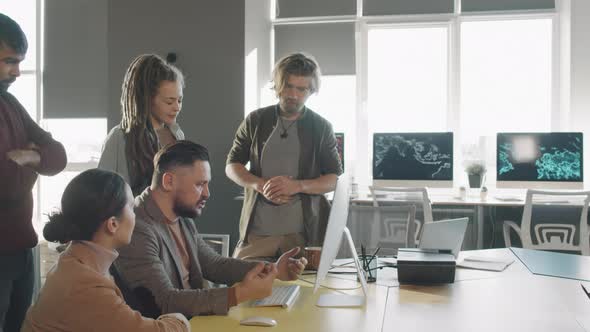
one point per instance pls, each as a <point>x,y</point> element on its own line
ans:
<point>334,288</point>
<point>336,273</point>
<point>385,264</point>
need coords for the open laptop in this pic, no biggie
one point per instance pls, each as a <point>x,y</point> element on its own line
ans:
<point>444,235</point>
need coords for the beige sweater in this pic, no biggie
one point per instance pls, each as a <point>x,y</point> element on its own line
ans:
<point>80,295</point>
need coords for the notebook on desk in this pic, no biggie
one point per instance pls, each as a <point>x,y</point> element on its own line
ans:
<point>484,263</point>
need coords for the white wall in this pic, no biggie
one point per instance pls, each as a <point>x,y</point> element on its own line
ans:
<point>91,43</point>
<point>208,37</point>
<point>257,51</point>
<point>75,70</point>
<point>580,76</point>
<point>580,65</point>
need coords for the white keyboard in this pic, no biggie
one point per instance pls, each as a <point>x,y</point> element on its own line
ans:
<point>282,296</point>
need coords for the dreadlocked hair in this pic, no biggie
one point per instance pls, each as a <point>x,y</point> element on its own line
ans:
<point>140,86</point>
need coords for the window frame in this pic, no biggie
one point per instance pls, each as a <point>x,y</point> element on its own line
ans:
<point>38,72</point>
<point>361,157</point>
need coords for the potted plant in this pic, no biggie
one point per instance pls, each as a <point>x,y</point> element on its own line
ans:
<point>475,172</point>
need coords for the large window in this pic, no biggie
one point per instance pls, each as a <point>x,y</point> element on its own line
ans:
<point>506,76</point>
<point>407,79</point>
<point>492,69</point>
<point>474,75</point>
<point>337,103</point>
<point>82,139</point>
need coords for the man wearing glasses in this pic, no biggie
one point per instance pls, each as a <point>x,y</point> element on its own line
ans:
<point>293,162</point>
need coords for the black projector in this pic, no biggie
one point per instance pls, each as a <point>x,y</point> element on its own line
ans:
<point>425,266</point>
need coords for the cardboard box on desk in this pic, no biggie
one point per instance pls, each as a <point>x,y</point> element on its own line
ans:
<point>425,266</point>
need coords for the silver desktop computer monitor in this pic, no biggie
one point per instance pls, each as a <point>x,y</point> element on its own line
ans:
<point>540,160</point>
<point>334,231</point>
<point>413,159</point>
<point>340,147</point>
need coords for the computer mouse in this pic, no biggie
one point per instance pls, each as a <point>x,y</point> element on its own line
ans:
<point>258,321</point>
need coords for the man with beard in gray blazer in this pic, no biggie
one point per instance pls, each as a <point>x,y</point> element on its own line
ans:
<point>166,266</point>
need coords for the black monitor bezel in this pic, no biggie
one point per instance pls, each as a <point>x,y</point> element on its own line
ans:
<point>450,133</point>
<point>498,176</point>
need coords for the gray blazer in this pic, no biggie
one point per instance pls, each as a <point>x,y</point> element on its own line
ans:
<point>151,262</point>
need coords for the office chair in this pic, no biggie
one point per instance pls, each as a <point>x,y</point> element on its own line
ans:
<point>417,197</point>
<point>219,242</point>
<point>553,220</point>
<point>392,227</point>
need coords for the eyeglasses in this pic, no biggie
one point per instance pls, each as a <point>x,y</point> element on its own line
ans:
<point>298,89</point>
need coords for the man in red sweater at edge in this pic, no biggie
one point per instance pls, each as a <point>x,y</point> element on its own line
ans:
<point>25,151</point>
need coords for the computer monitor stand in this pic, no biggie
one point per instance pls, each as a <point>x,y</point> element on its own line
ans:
<point>345,300</point>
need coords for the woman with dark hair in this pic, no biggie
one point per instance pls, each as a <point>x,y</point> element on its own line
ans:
<point>151,98</point>
<point>79,294</point>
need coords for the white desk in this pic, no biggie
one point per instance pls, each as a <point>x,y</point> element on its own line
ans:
<point>512,300</point>
<point>305,316</point>
<point>498,304</point>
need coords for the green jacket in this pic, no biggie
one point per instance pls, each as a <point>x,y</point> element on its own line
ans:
<point>318,156</point>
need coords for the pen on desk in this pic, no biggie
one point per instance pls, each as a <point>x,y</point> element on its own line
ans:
<point>371,260</point>
<point>585,290</point>
<point>363,254</point>
<point>373,256</point>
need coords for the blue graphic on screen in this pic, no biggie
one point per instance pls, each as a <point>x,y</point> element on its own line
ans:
<point>540,157</point>
<point>413,156</point>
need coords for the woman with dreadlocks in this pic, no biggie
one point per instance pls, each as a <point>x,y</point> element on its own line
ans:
<point>151,99</point>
